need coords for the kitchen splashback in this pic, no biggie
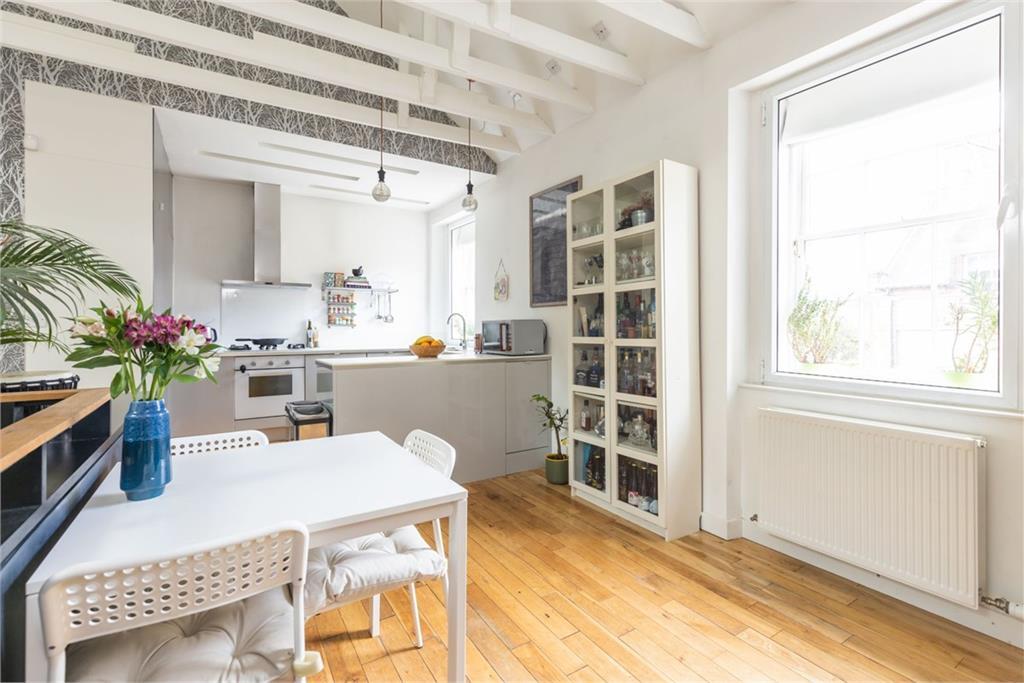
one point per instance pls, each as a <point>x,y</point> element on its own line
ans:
<point>263,312</point>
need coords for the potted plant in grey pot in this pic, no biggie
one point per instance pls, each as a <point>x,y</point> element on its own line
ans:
<point>556,465</point>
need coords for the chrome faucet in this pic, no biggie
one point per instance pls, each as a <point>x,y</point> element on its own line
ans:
<point>463,319</point>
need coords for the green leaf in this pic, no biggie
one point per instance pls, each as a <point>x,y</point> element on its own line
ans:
<point>101,362</point>
<point>117,384</point>
<point>83,353</point>
<point>187,379</point>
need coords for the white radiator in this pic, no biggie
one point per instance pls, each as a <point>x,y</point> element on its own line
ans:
<point>900,501</point>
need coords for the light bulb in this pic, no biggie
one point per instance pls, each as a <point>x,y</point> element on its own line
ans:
<point>469,202</point>
<point>381,192</point>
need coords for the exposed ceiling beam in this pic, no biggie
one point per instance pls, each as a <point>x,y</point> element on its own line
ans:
<point>501,15</point>
<point>308,18</point>
<point>664,17</point>
<point>290,57</point>
<point>42,37</point>
<point>477,16</point>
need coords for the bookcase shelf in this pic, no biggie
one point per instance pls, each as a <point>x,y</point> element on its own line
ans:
<point>645,466</point>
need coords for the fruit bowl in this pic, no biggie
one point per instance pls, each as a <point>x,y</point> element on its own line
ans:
<point>426,350</point>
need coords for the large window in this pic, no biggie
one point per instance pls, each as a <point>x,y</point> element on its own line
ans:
<point>462,277</point>
<point>889,257</point>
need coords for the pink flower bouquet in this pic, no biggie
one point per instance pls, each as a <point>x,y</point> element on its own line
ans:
<point>150,350</point>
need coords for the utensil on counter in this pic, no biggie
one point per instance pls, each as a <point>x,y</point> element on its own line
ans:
<point>265,343</point>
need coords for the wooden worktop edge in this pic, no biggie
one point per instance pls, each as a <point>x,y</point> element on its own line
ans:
<point>24,436</point>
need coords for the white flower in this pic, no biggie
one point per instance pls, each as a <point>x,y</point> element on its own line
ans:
<point>88,327</point>
<point>191,341</point>
<point>212,364</point>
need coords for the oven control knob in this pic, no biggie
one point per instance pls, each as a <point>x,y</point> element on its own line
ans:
<point>287,362</point>
<point>241,368</point>
<point>269,363</point>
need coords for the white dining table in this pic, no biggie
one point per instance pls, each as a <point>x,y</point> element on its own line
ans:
<point>339,487</point>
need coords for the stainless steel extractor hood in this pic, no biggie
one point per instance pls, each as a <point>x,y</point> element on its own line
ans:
<point>266,241</point>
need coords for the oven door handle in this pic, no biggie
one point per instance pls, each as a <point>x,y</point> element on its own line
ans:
<point>266,371</point>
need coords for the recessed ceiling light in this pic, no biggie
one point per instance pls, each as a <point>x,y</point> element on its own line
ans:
<point>337,157</point>
<point>363,194</point>
<point>283,167</point>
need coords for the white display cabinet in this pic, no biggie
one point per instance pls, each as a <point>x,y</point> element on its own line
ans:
<point>634,376</point>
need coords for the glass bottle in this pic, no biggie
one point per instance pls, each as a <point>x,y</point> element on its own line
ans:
<point>599,428</point>
<point>596,374</point>
<point>582,370</point>
<point>632,492</point>
<point>585,419</point>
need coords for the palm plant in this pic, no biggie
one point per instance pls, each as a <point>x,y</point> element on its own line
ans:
<point>40,267</point>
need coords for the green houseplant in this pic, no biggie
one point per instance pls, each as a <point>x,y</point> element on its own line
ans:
<point>43,268</point>
<point>975,325</point>
<point>556,465</point>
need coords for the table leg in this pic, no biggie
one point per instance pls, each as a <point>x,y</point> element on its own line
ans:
<point>457,524</point>
<point>35,648</point>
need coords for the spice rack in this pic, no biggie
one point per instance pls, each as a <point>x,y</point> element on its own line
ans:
<point>634,383</point>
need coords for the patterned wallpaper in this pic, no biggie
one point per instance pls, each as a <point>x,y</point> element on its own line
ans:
<point>16,67</point>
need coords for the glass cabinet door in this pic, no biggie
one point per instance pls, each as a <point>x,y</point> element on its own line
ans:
<point>588,366</point>
<point>636,371</point>
<point>637,484</point>
<point>636,314</point>
<point>634,202</point>
<point>590,465</point>
<point>588,416</point>
<point>588,315</point>
<point>637,428</point>
<point>588,265</point>
<point>588,215</point>
<point>635,258</point>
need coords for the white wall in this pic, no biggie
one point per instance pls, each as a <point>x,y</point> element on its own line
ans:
<point>391,244</point>
<point>92,176</point>
<point>696,114</point>
<point>213,238</point>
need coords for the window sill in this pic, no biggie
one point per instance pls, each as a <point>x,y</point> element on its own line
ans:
<point>931,405</point>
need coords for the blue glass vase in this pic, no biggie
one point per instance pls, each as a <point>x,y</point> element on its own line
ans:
<point>146,451</point>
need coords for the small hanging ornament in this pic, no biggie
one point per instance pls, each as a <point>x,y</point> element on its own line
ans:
<point>501,282</point>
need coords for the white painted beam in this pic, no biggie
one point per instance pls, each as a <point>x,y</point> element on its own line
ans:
<point>477,16</point>
<point>501,15</point>
<point>664,17</point>
<point>287,56</point>
<point>459,53</point>
<point>307,18</point>
<point>41,37</point>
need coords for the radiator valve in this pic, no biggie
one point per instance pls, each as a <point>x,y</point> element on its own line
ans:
<point>1014,609</point>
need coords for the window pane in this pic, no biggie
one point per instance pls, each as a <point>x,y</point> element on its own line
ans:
<point>463,278</point>
<point>888,184</point>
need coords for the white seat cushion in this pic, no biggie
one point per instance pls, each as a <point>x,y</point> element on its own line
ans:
<point>360,567</point>
<point>249,640</point>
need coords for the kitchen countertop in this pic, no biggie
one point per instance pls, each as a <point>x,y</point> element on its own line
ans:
<point>305,352</point>
<point>410,359</point>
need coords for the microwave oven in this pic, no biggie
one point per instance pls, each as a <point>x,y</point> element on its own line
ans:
<point>515,337</point>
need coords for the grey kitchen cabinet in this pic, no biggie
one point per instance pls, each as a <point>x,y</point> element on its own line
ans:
<point>523,430</point>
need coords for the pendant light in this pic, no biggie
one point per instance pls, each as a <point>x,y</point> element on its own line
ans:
<point>381,192</point>
<point>469,202</point>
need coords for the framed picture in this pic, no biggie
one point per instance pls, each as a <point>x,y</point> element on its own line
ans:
<point>548,216</point>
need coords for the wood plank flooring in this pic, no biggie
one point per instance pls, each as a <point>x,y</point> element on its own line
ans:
<point>561,591</point>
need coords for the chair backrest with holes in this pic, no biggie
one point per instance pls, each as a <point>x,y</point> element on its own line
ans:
<point>432,450</point>
<point>91,600</point>
<point>226,441</point>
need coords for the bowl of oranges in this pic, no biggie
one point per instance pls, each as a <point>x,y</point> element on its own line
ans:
<point>427,347</point>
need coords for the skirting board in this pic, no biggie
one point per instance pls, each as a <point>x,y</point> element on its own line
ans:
<point>990,622</point>
<point>727,529</point>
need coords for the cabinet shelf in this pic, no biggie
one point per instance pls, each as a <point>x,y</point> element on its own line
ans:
<point>647,470</point>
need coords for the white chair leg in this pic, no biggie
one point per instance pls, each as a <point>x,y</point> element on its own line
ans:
<point>415,614</point>
<point>444,587</point>
<point>55,669</point>
<point>305,663</point>
<point>375,616</point>
<point>438,538</point>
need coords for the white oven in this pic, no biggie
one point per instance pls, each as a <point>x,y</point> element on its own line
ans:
<point>263,384</point>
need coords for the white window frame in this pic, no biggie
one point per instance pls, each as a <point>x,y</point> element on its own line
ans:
<point>450,229</point>
<point>1012,258</point>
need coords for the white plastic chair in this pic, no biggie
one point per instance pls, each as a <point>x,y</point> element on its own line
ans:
<point>91,600</point>
<point>355,569</point>
<point>225,441</point>
<point>439,454</point>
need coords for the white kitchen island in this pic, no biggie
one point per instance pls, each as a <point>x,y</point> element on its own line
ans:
<point>478,403</point>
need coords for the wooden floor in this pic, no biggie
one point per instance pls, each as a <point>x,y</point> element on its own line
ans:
<point>558,590</point>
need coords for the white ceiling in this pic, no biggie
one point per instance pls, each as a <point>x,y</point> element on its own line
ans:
<point>203,147</point>
<point>649,50</point>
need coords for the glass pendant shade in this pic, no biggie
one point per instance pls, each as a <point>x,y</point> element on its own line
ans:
<point>381,192</point>
<point>469,202</point>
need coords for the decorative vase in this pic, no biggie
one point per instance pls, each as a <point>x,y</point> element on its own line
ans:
<point>146,450</point>
<point>556,469</point>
